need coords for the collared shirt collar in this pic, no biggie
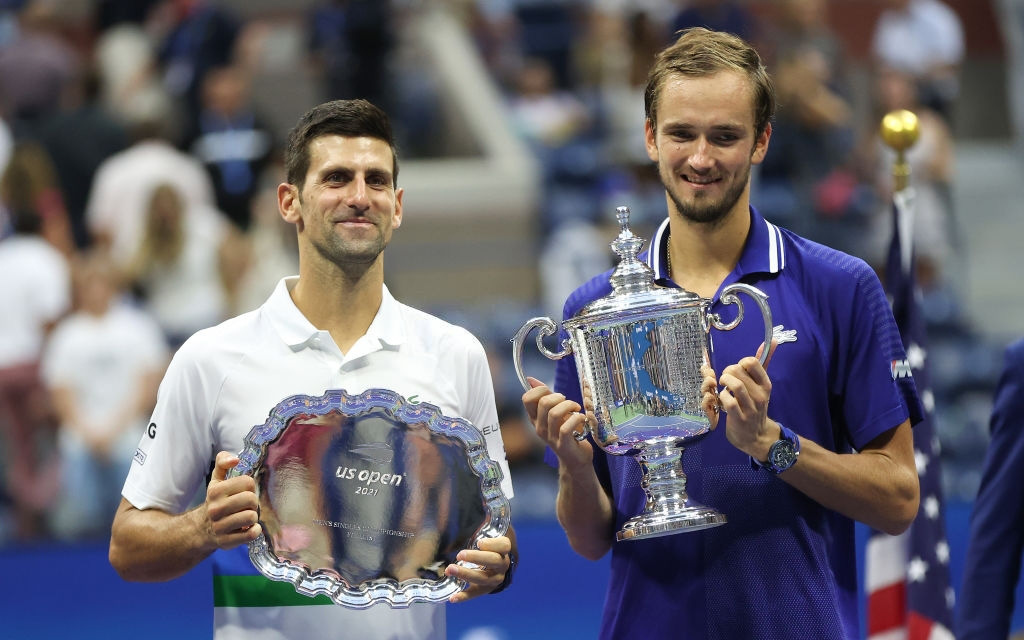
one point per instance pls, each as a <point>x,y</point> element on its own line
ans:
<point>297,331</point>
<point>764,251</point>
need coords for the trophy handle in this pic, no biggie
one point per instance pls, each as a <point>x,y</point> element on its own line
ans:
<point>547,327</point>
<point>761,298</point>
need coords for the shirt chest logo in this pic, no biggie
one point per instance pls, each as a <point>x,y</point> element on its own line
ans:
<point>781,334</point>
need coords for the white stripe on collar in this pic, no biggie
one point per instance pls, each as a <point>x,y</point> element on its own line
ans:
<point>654,254</point>
<point>776,250</point>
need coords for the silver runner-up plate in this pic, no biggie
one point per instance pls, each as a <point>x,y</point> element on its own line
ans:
<point>367,498</point>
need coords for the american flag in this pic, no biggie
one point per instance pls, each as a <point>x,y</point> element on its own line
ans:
<point>907,576</point>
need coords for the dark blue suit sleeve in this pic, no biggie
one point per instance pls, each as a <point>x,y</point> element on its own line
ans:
<point>997,522</point>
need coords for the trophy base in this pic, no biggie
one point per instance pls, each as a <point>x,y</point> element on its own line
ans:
<point>654,525</point>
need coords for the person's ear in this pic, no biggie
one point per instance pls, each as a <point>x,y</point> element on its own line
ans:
<point>288,203</point>
<point>761,145</point>
<point>397,217</point>
<point>651,140</point>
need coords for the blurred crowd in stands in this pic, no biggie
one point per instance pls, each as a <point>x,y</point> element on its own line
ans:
<point>138,189</point>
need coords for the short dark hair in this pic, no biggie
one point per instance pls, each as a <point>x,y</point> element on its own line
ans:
<point>700,52</point>
<point>349,118</point>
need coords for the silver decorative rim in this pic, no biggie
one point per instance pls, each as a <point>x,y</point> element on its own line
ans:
<point>394,593</point>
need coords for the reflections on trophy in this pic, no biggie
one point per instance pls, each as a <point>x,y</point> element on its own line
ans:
<point>651,392</point>
<point>639,354</point>
<point>590,412</point>
<point>366,498</point>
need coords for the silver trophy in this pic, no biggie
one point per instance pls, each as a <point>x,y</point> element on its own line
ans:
<point>639,352</point>
<point>367,498</point>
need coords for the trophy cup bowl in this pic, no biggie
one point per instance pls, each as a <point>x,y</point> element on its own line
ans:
<point>639,353</point>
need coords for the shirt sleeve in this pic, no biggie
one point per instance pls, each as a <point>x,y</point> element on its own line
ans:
<point>481,408</point>
<point>176,450</point>
<point>875,401</point>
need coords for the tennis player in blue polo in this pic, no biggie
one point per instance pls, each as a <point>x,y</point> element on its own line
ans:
<point>835,393</point>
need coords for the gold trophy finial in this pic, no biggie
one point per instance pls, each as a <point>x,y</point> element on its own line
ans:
<point>900,131</point>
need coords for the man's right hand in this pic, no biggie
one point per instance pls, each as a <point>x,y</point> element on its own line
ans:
<point>231,505</point>
<point>557,420</point>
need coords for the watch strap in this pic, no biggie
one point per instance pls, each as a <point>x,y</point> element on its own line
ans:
<point>786,435</point>
<point>513,561</point>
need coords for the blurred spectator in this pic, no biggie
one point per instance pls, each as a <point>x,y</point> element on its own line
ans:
<point>194,37</point>
<point>9,19</point>
<point>931,165</point>
<point>6,143</point>
<point>614,56</point>
<point>924,39</point>
<point>802,25</point>
<point>1011,20</point>
<point>78,139</point>
<point>601,52</point>
<point>34,287</point>
<point>256,261</point>
<point>495,31</point>
<point>6,148</point>
<point>102,365</point>
<point>418,102</point>
<point>177,266</point>
<point>119,199</point>
<point>572,253</point>
<point>36,65</point>
<point>547,30</point>
<point>557,126</point>
<point>352,42</point>
<point>130,84</point>
<point>232,141</point>
<point>718,15</point>
<point>618,50</point>
<point>109,13</point>
<point>29,183</point>
<point>808,183</point>
<point>546,116</point>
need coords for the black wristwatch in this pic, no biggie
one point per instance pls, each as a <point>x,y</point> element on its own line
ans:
<point>513,560</point>
<point>782,454</point>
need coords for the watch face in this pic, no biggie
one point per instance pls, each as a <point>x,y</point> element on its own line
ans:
<point>782,455</point>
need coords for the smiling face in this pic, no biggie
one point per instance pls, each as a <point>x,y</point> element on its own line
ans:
<point>705,144</point>
<point>347,207</point>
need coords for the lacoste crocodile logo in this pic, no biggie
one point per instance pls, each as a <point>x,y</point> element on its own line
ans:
<point>780,334</point>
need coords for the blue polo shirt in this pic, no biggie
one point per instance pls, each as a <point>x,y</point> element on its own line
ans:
<point>783,566</point>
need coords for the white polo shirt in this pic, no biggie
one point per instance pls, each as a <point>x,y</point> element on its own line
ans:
<point>226,379</point>
<point>102,360</point>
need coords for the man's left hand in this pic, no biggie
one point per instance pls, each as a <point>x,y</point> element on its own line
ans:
<point>744,398</point>
<point>492,562</point>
